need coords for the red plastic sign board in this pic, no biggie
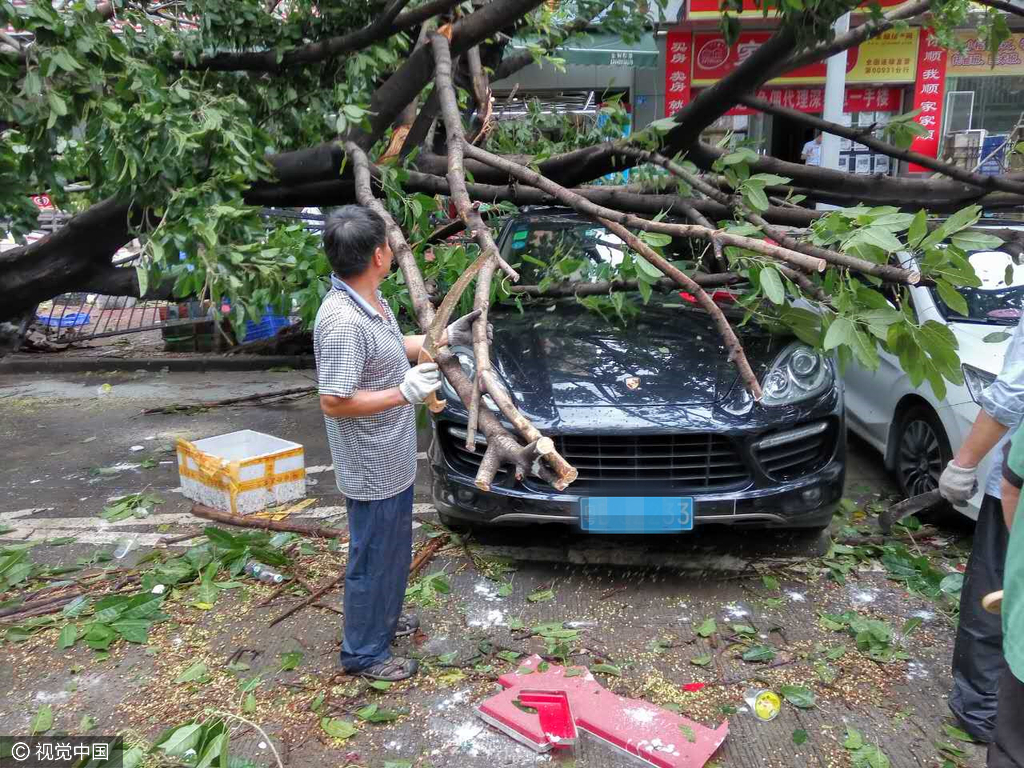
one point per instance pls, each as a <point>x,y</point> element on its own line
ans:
<point>655,735</point>
<point>678,48</point>
<point>929,93</point>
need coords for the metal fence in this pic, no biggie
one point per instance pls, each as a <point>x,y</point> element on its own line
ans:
<point>187,325</point>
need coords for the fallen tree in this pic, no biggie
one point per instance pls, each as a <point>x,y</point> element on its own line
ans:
<point>173,129</point>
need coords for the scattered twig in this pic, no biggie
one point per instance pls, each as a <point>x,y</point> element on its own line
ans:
<point>311,599</point>
<point>201,510</point>
<point>251,724</point>
<point>427,552</point>
<point>186,407</point>
<point>756,675</point>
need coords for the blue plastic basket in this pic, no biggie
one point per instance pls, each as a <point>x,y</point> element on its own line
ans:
<point>266,328</point>
<point>69,320</point>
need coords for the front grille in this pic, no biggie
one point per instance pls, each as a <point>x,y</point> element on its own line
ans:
<point>686,462</point>
<point>791,460</point>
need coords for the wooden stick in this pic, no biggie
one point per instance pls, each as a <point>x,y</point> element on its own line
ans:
<point>311,599</point>
<point>426,553</point>
<point>231,400</point>
<point>319,531</point>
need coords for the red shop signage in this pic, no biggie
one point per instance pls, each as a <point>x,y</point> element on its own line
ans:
<point>678,53</point>
<point>929,93</point>
<point>811,100</point>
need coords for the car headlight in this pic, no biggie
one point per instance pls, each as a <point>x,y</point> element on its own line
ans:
<point>799,373</point>
<point>465,358</point>
<point>977,380</point>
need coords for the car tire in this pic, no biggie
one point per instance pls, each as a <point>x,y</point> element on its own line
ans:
<point>455,524</point>
<point>922,451</point>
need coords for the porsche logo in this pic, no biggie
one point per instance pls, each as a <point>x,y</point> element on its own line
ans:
<point>633,382</point>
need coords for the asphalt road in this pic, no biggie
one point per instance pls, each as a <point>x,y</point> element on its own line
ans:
<point>72,444</point>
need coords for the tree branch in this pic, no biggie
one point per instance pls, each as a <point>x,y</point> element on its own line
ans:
<point>481,93</point>
<point>603,288</point>
<point>386,25</point>
<point>1002,5</point>
<point>502,444</point>
<point>614,223</point>
<point>979,180</point>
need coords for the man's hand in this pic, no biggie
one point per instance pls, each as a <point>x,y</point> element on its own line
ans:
<point>460,333</point>
<point>958,484</point>
<point>419,382</point>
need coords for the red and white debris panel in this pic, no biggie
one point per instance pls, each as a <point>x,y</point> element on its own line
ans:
<point>567,699</point>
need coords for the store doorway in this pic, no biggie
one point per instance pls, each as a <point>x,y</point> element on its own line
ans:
<point>788,138</point>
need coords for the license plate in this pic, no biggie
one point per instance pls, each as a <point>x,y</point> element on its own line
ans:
<point>636,514</point>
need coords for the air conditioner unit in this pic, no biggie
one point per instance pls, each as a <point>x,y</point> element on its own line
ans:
<point>963,148</point>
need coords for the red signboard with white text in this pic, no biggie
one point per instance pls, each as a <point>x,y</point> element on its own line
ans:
<point>678,55</point>
<point>929,94</point>
<point>709,9</point>
<point>811,100</point>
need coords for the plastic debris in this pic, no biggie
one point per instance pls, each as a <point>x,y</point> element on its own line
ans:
<point>137,448</point>
<point>653,734</point>
<point>765,704</point>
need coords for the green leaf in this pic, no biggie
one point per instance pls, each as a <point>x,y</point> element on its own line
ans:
<point>648,269</point>
<point>688,733</point>
<point>372,713</point>
<point>702,661</point>
<point>87,723</point>
<point>213,749</point>
<point>799,736</point>
<point>755,198</point>
<point>841,331</point>
<point>976,241</point>
<point>910,625</point>
<point>952,298</point>
<point>380,685</point>
<point>918,229</point>
<point>957,734</point>
<point>338,729</point>
<point>541,596</point>
<point>655,240</point>
<point>798,695</point>
<point>995,338</point>
<point>836,653</point>
<point>249,703</point>
<point>606,669</point>
<point>447,658</point>
<point>771,282</point>
<point>57,105</point>
<point>509,656</point>
<point>770,583</point>
<point>707,628</point>
<point>43,721</point>
<point>181,740</point>
<point>760,653</point>
<point>853,739</point>
<point>194,673</point>
<point>68,637</point>
<point>290,660</point>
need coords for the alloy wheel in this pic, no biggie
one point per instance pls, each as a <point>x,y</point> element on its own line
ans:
<point>920,458</point>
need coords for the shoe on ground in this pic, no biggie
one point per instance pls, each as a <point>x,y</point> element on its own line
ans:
<point>392,670</point>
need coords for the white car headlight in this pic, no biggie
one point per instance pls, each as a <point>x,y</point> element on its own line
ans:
<point>799,373</point>
<point>977,380</point>
<point>465,357</point>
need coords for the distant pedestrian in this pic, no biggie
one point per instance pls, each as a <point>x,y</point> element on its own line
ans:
<point>811,153</point>
<point>978,660</point>
<point>367,394</point>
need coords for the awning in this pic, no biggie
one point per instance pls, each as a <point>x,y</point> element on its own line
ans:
<point>597,50</point>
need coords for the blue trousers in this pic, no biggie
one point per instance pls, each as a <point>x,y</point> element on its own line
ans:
<point>379,555</point>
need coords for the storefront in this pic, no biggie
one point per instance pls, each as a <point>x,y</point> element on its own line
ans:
<point>878,76</point>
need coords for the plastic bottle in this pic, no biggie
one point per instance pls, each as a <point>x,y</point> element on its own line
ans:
<point>260,572</point>
<point>124,545</point>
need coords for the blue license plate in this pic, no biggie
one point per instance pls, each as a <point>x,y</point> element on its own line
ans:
<point>636,514</point>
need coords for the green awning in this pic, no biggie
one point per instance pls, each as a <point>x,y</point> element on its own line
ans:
<point>604,51</point>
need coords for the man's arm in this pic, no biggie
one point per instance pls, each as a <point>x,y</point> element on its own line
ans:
<point>984,434</point>
<point>361,403</point>
<point>413,345</point>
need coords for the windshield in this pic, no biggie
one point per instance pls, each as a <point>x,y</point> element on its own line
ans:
<point>996,301</point>
<point>566,248</point>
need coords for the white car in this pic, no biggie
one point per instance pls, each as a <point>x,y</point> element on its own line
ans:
<point>916,432</point>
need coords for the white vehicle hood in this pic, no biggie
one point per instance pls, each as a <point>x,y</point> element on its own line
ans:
<point>985,355</point>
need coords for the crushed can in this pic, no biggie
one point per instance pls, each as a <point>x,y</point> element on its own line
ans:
<point>765,704</point>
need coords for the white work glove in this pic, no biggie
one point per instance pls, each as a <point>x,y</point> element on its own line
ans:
<point>419,382</point>
<point>460,333</point>
<point>958,484</point>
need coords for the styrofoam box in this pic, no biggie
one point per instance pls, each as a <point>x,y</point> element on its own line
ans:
<point>258,470</point>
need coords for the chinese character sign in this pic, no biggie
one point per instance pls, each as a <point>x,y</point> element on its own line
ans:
<point>929,94</point>
<point>678,49</point>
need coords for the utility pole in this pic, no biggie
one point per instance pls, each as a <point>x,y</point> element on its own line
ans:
<point>835,97</point>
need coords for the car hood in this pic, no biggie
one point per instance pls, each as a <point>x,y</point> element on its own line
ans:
<point>975,351</point>
<point>571,356</point>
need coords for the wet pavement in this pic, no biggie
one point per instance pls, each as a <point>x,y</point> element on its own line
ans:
<point>71,444</point>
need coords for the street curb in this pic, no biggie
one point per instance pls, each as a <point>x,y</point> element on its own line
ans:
<point>193,364</point>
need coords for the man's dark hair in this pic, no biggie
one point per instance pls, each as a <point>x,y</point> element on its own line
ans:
<point>351,234</point>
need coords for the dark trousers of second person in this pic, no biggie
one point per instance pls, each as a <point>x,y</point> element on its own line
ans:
<point>1007,747</point>
<point>978,663</point>
<point>379,556</point>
